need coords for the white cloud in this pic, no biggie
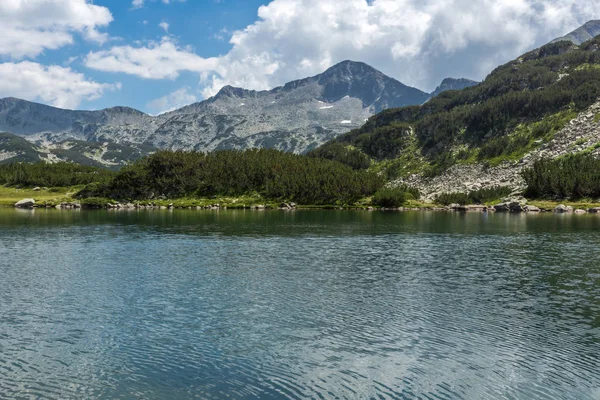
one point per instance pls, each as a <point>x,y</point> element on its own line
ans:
<point>418,42</point>
<point>158,60</point>
<point>140,3</point>
<point>59,86</point>
<point>29,27</point>
<point>165,26</point>
<point>172,101</point>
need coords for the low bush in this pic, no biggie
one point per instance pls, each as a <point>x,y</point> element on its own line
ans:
<point>394,197</point>
<point>474,197</point>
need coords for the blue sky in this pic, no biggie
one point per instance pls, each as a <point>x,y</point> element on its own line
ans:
<point>156,55</point>
<point>202,24</point>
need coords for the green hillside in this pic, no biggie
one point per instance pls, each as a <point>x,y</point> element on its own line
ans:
<point>517,108</point>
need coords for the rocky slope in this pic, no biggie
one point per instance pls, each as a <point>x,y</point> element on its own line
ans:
<point>582,34</point>
<point>581,134</point>
<point>14,148</point>
<point>295,117</point>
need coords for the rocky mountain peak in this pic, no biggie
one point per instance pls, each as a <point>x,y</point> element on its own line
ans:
<point>232,91</point>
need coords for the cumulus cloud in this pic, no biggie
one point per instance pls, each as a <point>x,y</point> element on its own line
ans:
<point>157,60</point>
<point>172,101</point>
<point>419,42</point>
<point>62,87</point>
<point>30,27</point>
<point>165,26</point>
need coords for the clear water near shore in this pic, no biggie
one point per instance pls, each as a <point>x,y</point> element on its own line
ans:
<point>305,304</point>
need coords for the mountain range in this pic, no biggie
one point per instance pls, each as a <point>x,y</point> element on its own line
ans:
<point>296,117</point>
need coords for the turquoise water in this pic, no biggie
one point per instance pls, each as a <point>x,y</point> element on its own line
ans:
<point>306,304</point>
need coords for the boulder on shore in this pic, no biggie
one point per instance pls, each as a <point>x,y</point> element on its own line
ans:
<point>532,209</point>
<point>25,203</point>
<point>561,209</point>
<point>512,206</point>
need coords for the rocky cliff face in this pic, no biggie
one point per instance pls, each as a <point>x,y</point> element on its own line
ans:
<point>295,117</point>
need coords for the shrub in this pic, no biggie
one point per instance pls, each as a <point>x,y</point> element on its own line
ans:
<point>474,197</point>
<point>391,197</point>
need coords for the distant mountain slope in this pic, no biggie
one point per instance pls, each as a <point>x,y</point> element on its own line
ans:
<point>582,34</point>
<point>295,117</point>
<point>453,84</point>
<point>15,148</point>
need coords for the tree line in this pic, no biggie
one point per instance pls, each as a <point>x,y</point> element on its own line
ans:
<point>570,177</point>
<point>273,174</point>
<point>62,174</point>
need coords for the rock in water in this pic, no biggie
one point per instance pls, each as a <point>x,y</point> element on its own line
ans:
<point>25,203</point>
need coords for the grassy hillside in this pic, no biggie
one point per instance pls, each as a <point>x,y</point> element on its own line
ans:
<point>517,108</point>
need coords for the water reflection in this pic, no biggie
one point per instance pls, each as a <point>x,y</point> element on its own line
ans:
<point>196,304</point>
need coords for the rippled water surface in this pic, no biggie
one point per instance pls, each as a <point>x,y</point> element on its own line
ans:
<point>311,304</point>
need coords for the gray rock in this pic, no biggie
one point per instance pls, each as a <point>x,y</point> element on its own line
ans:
<point>516,207</point>
<point>36,189</point>
<point>532,209</point>
<point>502,207</point>
<point>25,203</point>
<point>580,211</point>
<point>562,209</point>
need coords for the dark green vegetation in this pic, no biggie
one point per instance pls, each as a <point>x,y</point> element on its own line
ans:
<point>519,106</point>
<point>394,197</point>
<point>571,177</point>
<point>481,196</point>
<point>272,174</point>
<point>52,175</point>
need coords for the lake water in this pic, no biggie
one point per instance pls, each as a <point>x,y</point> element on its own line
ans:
<point>306,304</point>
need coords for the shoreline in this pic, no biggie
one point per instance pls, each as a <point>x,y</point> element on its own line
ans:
<point>459,209</point>
<point>64,199</point>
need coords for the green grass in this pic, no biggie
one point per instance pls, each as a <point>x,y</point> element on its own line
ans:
<point>9,196</point>
<point>529,136</point>
<point>550,204</point>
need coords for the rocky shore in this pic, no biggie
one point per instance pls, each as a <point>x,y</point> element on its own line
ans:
<point>516,205</point>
